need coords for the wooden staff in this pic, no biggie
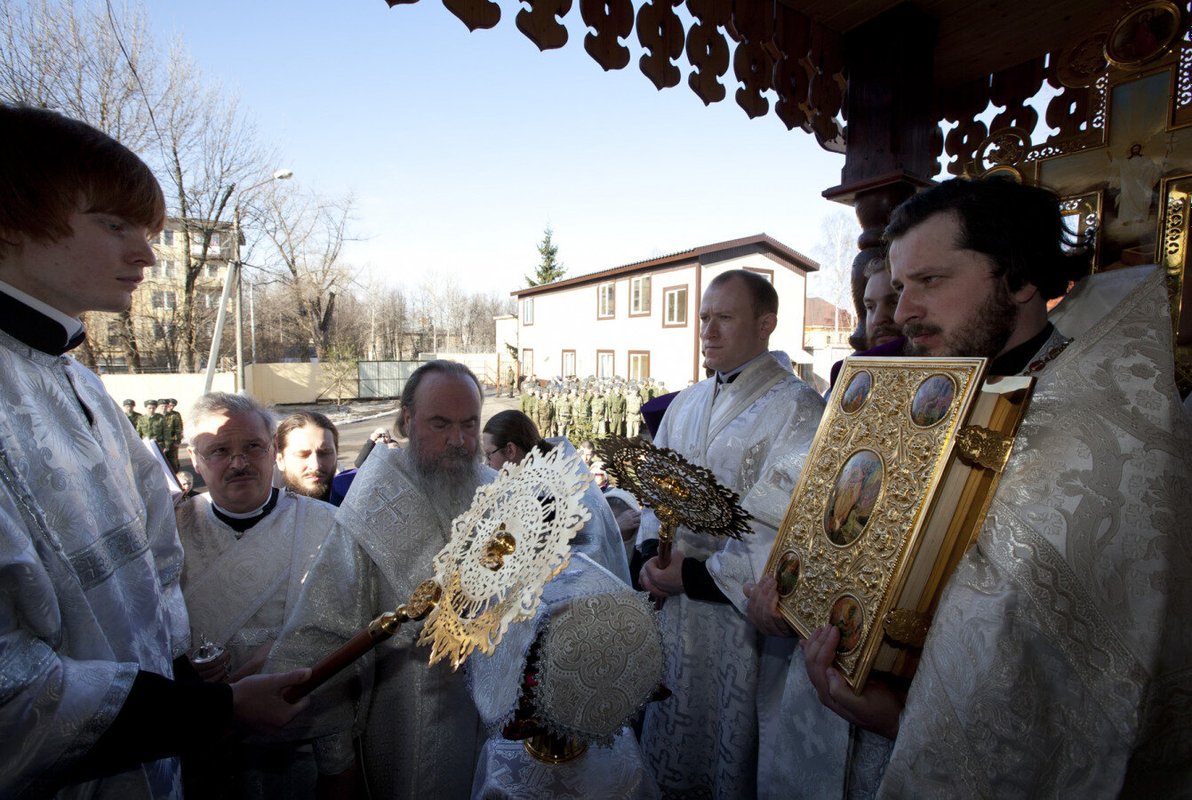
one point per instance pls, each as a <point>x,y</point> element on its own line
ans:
<point>383,627</point>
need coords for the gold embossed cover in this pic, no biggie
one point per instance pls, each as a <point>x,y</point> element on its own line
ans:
<point>894,490</point>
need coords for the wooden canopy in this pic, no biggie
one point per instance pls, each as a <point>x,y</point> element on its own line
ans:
<point>901,87</point>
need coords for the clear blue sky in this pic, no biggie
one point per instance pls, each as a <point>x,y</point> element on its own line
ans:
<point>460,147</point>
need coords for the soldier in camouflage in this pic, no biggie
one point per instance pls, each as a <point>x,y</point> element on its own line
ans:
<point>599,426</point>
<point>633,412</point>
<point>151,425</point>
<point>616,410</point>
<point>563,412</point>
<point>130,408</point>
<point>172,421</point>
<point>546,412</point>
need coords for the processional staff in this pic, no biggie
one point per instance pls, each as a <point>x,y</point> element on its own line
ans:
<point>502,551</point>
<point>679,492</point>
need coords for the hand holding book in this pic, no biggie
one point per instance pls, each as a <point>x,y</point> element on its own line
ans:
<point>762,609</point>
<point>876,708</point>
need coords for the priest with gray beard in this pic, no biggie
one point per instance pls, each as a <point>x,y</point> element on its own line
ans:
<point>419,730</point>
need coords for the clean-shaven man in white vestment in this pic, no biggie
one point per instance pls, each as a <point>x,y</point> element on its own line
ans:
<point>92,621</point>
<point>1058,662</point>
<point>740,424</point>
<point>248,547</point>
<point>421,733</point>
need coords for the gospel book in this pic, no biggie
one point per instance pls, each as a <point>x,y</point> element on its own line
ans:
<point>894,491</point>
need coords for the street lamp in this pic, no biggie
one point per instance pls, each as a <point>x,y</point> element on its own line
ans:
<point>233,274</point>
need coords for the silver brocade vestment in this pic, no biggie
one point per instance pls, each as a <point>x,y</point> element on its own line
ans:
<point>421,734</point>
<point>612,770</point>
<point>600,538</point>
<point>90,561</point>
<point>702,742</point>
<point>1060,660</point>
<point>239,587</point>
<point>1074,604</point>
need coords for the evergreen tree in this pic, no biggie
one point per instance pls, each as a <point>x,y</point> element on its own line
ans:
<point>549,269</point>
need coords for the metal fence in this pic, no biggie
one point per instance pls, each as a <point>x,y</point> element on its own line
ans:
<point>380,380</point>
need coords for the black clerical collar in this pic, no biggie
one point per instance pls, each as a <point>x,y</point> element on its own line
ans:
<point>35,329</point>
<point>241,524</point>
<point>729,377</point>
<point>1016,359</point>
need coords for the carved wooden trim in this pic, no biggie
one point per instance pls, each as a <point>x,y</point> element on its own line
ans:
<point>660,32</point>
<point>476,14</point>
<point>540,22</point>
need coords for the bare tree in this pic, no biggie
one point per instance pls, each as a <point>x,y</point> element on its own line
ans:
<point>87,65</point>
<point>389,321</point>
<point>457,320</point>
<point>340,374</point>
<point>96,63</point>
<point>835,250</point>
<point>307,233</point>
<point>208,147</point>
<point>479,321</point>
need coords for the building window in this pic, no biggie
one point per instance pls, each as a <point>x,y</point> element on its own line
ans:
<point>214,243</point>
<point>211,270</point>
<point>568,363</point>
<point>639,296</point>
<point>674,303</point>
<point>605,363</point>
<point>164,268</point>
<point>527,361</point>
<point>166,237</point>
<point>528,311</point>
<point>211,299</point>
<point>606,307</point>
<point>164,300</point>
<point>639,365</point>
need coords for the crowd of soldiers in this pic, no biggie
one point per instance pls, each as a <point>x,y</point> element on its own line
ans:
<point>161,423</point>
<point>589,408</point>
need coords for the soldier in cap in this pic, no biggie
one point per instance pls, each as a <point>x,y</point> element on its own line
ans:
<point>152,425</point>
<point>597,406</point>
<point>546,411</point>
<point>563,408</point>
<point>531,396</point>
<point>615,405</point>
<point>130,408</point>
<point>633,412</point>
<point>172,421</point>
<point>511,379</point>
<point>524,401</point>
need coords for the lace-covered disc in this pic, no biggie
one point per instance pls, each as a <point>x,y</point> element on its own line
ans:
<point>599,661</point>
<point>502,552</point>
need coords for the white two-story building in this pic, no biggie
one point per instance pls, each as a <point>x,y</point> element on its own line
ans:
<point>642,320</point>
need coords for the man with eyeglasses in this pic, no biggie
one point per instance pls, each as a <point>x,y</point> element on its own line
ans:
<point>248,546</point>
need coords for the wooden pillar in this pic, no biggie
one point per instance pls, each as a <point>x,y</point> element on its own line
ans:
<point>892,139</point>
